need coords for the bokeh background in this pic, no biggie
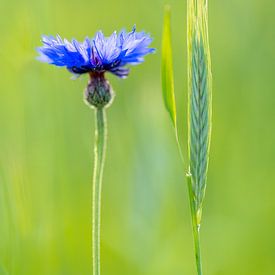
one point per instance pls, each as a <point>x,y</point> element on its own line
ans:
<point>46,145</point>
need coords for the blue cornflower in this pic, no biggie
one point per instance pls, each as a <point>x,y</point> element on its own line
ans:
<point>97,55</point>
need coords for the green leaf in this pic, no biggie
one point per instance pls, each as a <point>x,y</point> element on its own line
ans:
<point>167,69</point>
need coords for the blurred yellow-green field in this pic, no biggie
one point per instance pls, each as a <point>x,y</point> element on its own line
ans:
<point>47,136</point>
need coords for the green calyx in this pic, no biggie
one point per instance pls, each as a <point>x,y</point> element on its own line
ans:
<point>98,93</point>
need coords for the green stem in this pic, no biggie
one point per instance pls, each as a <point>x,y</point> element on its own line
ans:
<point>195,225</point>
<point>99,154</point>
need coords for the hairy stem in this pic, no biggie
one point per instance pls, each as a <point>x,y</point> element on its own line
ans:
<point>195,225</point>
<point>99,156</point>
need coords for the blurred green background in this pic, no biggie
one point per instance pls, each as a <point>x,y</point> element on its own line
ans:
<point>46,144</point>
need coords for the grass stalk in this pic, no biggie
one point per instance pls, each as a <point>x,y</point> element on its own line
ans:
<point>199,113</point>
<point>199,106</point>
<point>195,226</point>
<point>99,157</point>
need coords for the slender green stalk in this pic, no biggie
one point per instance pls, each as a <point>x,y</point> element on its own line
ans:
<point>195,226</point>
<point>99,153</point>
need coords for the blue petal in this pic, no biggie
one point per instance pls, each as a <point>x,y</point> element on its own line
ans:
<point>97,54</point>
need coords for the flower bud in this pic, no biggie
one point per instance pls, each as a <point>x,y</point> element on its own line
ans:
<point>99,92</point>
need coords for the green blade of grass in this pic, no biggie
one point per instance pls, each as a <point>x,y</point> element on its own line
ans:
<point>168,90</point>
<point>167,69</point>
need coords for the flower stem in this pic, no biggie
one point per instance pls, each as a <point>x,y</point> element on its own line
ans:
<point>195,225</point>
<point>99,157</point>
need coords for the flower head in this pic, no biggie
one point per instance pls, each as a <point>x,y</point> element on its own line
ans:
<point>99,54</point>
